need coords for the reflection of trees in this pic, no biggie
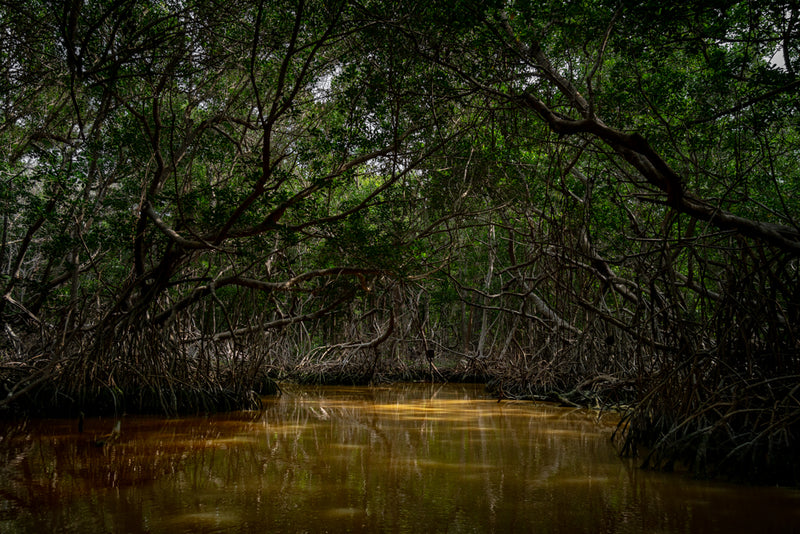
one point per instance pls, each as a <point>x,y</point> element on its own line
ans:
<point>407,457</point>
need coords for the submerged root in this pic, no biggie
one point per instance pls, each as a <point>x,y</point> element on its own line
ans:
<point>143,372</point>
<point>728,425</point>
<point>58,398</point>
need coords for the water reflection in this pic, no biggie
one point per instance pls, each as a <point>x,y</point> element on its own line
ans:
<point>397,459</point>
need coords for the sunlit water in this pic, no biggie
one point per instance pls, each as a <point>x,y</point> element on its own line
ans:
<point>415,458</point>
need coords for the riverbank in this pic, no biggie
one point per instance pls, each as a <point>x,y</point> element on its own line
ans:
<point>54,398</point>
<point>649,431</point>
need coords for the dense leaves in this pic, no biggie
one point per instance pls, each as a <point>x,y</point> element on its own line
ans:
<point>579,200</point>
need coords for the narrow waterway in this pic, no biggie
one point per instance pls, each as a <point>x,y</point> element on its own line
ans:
<point>407,458</point>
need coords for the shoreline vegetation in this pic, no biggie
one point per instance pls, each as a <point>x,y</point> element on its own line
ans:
<point>47,398</point>
<point>600,392</point>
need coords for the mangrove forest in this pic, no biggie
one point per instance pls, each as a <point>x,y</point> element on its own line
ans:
<point>595,203</point>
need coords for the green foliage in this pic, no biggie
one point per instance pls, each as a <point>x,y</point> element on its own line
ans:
<point>490,173</point>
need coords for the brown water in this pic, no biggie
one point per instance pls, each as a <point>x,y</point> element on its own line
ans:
<point>416,458</point>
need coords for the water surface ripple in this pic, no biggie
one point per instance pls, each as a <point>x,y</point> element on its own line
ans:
<point>406,458</point>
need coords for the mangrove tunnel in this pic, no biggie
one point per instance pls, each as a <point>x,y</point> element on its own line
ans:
<point>594,203</point>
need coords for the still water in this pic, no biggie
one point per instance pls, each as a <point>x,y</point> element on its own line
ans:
<point>409,458</point>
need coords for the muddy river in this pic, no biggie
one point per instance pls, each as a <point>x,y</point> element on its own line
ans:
<point>404,458</point>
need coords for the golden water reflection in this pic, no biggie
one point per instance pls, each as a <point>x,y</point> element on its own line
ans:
<point>405,458</point>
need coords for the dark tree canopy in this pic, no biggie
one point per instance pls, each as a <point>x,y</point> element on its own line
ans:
<point>582,202</point>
